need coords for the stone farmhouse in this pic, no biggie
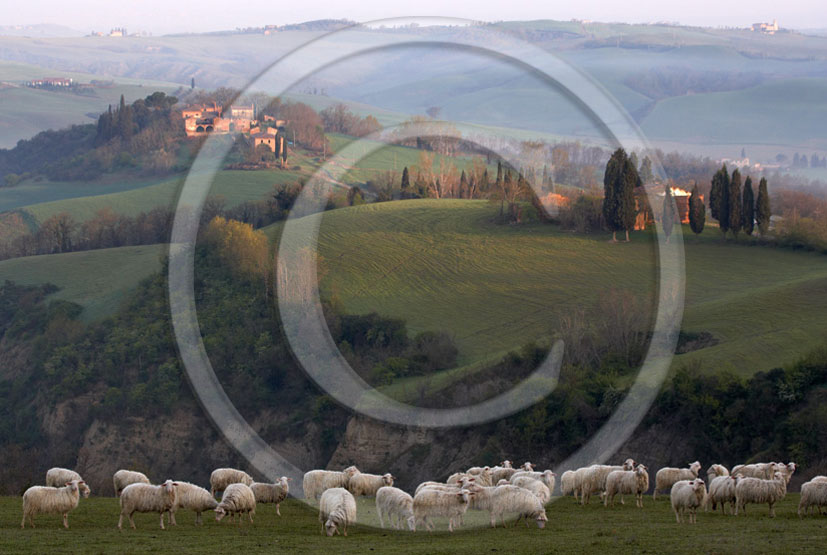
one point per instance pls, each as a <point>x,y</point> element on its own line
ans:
<point>210,118</point>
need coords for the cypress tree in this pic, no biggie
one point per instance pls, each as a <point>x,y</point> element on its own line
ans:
<point>723,200</point>
<point>748,208</point>
<point>646,175</point>
<point>619,183</point>
<point>720,185</point>
<point>610,178</point>
<point>405,187</point>
<point>626,197</point>
<point>734,200</point>
<point>463,185</point>
<point>668,214</point>
<point>762,209</point>
<point>697,211</point>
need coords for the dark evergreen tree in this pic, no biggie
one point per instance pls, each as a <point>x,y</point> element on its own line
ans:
<point>668,214</point>
<point>748,207</point>
<point>192,83</point>
<point>405,187</point>
<point>734,203</point>
<point>463,185</point>
<point>697,211</point>
<point>619,183</point>
<point>720,184</point>
<point>762,208</point>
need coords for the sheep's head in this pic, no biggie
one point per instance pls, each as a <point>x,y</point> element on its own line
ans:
<point>629,464</point>
<point>351,471</point>
<point>74,485</point>
<point>411,523</point>
<point>640,470</point>
<point>695,468</point>
<point>220,513</point>
<point>330,528</point>
<point>283,482</point>
<point>527,466</point>
<point>84,489</point>
<point>791,467</point>
<point>541,519</point>
<point>464,496</point>
<point>387,479</point>
<point>506,464</point>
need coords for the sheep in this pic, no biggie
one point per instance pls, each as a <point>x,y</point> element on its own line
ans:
<point>123,478</point>
<point>484,476</point>
<point>192,497</point>
<point>506,464</point>
<point>722,490</point>
<point>316,481</point>
<point>50,500</point>
<point>686,497</point>
<point>367,485</point>
<point>547,477</point>
<point>237,499</point>
<point>431,502</point>
<point>146,498</point>
<point>764,471</point>
<point>514,499</point>
<point>756,490</point>
<point>579,477</point>
<point>271,493</point>
<point>634,482</point>
<point>59,477</point>
<point>666,477</point>
<point>787,470</point>
<point>567,483</point>
<point>395,504</point>
<point>337,507</point>
<point>223,477</point>
<point>538,488</point>
<point>594,479</point>
<point>463,483</point>
<point>527,466</point>
<point>813,492</point>
<point>715,471</point>
<point>502,472</point>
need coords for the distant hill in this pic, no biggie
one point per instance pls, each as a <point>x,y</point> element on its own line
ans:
<point>39,30</point>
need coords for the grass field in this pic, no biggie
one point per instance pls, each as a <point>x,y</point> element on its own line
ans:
<point>571,529</point>
<point>97,280</point>
<point>445,265</point>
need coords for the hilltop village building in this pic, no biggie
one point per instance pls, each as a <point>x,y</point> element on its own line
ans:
<point>645,215</point>
<point>210,118</point>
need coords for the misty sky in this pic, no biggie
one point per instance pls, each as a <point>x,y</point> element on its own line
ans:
<point>168,16</point>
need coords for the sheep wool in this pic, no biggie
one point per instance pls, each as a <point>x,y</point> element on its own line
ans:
<point>431,502</point>
<point>315,482</point>
<point>813,493</point>
<point>367,485</point>
<point>667,477</point>
<point>538,488</point>
<point>756,490</point>
<point>634,482</point>
<point>237,500</point>
<point>271,493</point>
<point>223,477</point>
<point>48,500</point>
<point>146,498</point>
<point>394,504</point>
<point>686,497</point>
<point>722,491</point>
<point>123,478</point>
<point>192,497</point>
<point>59,477</point>
<point>337,507</point>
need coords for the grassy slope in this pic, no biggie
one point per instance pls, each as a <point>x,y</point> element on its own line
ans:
<point>443,265</point>
<point>97,280</point>
<point>571,528</point>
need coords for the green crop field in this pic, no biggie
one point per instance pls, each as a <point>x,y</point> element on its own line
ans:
<point>442,264</point>
<point>570,529</point>
<point>97,280</point>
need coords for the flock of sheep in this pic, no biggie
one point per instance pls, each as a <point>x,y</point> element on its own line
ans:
<point>500,490</point>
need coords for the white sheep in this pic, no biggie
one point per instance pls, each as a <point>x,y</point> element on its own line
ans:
<point>315,482</point>
<point>506,464</point>
<point>512,499</point>
<point>223,477</point>
<point>367,485</point>
<point>787,470</point>
<point>567,484</point>
<point>633,482</point>
<point>463,483</point>
<point>686,497</point>
<point>546,476</point>
<point>756,490</point>
<point>59,477</point>
<point>714,471</point>
<point>594,479</point>
<point>764,471</point>
<point>666,477</point>
<point>538,488</point>
<point>146,498</point>
<point>395,504</point>
<point>123,478</point>
<point>502,472</point>
<point>237,500</point>
<point>432,502</point>
<point>337,507</point>
<point>483,476</point>
<point>192,497</point>
<point>722,491</point>
<point>271,493</point>
<point>50,500</point>
<point>528,466</point>
<point>813,493</point>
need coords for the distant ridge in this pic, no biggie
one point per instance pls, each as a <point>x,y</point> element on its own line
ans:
<point>39,30</point>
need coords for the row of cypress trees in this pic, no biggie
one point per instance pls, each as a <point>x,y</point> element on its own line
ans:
<point>735,207</point>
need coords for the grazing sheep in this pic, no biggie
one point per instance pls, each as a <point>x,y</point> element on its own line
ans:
<point>756,490</point>
<point>714,471</point>
<point>463,483</point>
<point>722,490</point>
<point>367,485</point>
<point>546,476</point>
<point>813,492</point>
<point>49,500</point>
<point>764,471</point>
<point>483,476</point>
<point>666,477</point>
<point>397,505</point>
<point>456,477</point>
<point>528,466</point>
<point>237,499</point>
<point>123,478</point>
<point>687,496</point>
<point>315,482</point>
<point>634,482</point>
<point>502,472</point>
<point>59,477</point>
<point>567,484</point>
<point>271,493</point>
<point>146,498</point>
<point>431,502</point>
<point>223,477</point>
<point>538,488</point>
<point>192,497</point>
<point>787,470</point>
<point>514,499</point>
<point>594,479</point>
<point>579,477</point>
<point>337,507</point>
